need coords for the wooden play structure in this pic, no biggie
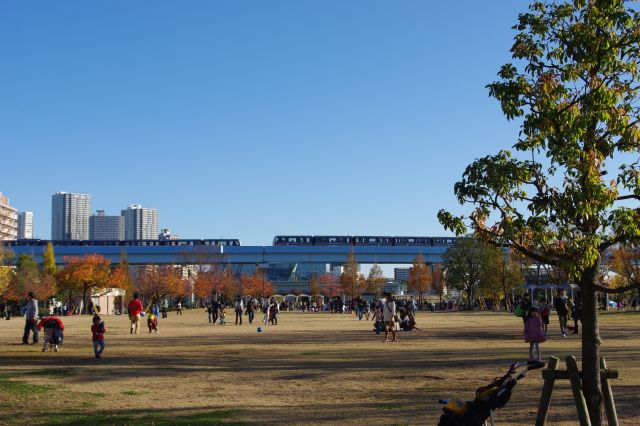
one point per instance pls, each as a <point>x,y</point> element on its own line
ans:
<point>552,373</point>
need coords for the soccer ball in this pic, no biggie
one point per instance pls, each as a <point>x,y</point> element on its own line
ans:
<point>259,329</point>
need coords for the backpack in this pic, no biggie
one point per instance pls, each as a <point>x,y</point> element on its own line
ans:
<point>519,311</point>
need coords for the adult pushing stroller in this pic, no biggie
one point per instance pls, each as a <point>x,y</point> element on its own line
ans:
<point>488,398</point>
<point>53,332</point>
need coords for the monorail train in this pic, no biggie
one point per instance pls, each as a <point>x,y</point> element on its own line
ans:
<point>123,243</point>
<point>345,240</point>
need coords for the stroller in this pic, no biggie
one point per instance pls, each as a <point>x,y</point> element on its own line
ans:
<point>488,398</point>
<point>53,332</point>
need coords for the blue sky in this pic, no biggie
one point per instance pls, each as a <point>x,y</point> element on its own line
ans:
<point>248,119</point>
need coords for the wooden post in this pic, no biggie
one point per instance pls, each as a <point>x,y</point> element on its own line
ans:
<point>576,387</point>
<point>547,390</point>
<point>609,404</point>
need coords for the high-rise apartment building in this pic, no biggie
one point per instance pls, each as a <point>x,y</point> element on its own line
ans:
<point>103,227</point>
<point>140,223</point>
<point>25,225</point>
<point>401,274</point>
<point>8,220</point>
<point>70,216</point>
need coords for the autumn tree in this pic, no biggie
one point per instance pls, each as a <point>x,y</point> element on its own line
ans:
<point>502,274</point>
<point>157,282</point>
<point>232,285</point>
<point>438,283</point>
<point>6,272</point>
<point>121,275</point>
<point>465,263</point>
<point>330,285</point>
<point>375,280</point>
<point>560,198</point>
<point>624,261</point>
<point>314,286</point>
<point>49,266</point>
<point>84,274</point>
<point>351,281</point>
<point>209,266</point>
<point>420,278</point>
<point>257,285</point>
<point>29,278</point>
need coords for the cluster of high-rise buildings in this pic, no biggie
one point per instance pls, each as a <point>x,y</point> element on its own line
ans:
<point>72,219</point>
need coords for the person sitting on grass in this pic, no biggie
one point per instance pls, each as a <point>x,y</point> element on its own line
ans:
<point>223,316</point>
<point>412,323</point>
<point>404,319</point>
<point>53,332</point>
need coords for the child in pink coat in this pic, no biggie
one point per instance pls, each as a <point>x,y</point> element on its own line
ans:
<point>534,332</point>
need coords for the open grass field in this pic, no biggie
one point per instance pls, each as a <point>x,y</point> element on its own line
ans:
<point>310,369</point>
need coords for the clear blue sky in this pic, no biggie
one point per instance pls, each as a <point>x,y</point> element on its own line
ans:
<point>251,118</point>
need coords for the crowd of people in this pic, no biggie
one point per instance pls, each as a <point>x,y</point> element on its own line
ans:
<point>389,316</point>
<point>536,314</point>
<point>249,307</point>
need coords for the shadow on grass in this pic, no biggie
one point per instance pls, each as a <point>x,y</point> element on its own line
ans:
<point>155,418</point>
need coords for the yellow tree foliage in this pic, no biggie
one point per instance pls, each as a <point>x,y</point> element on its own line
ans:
<point>420,278</point>
<point>314,286</point>
<point>84,274</point>
<point>375,280</point>
<point>352,282</point>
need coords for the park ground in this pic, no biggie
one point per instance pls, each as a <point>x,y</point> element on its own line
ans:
<point>312,368</point>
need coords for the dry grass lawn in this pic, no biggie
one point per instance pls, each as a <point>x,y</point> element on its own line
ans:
<point>310,369</point>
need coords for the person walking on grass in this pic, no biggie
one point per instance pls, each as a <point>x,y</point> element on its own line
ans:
<point>389,314</point>
<point>534,333</point>
<point>97,332</point>
<point>215,309</point>
<point>31,319</point>
<point>576,313</point>
<point>179,308</point>
<point>251,309</point>
<point>239,309</point>
<point>135,309</point>
<point>562,308</point>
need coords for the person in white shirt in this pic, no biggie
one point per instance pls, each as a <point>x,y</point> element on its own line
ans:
<point>31,317</point>
<point>239,310</point>
<point>389,314</point>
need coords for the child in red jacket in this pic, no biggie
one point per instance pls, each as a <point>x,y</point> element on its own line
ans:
<point>53,332</point>
<point>98,330</point>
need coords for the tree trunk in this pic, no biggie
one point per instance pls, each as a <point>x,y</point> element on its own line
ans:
<point>84,299</point>
<point>591,348</point>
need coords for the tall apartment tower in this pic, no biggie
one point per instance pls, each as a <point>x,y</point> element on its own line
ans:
<point>25,225</point>
<point>140,223</point>
<point>70,216</point>
<point>8,220</point>
<point>103,227</point>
